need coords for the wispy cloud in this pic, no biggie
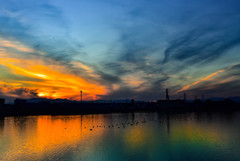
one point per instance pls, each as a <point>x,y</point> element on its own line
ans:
<point>144,48</point>
<point>199,81</point>
<point>223,83</point>
<point>50,80</point>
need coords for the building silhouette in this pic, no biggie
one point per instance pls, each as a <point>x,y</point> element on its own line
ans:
<point>2,101</point>
<point>20,102</point>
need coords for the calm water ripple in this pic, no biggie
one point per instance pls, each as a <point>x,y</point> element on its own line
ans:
<point>121,137</point>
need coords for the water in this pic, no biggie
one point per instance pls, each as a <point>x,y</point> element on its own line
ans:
<point>125,137</point>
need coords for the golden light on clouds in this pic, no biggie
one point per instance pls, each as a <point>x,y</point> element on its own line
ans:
<point>199,81</point>
<point>17,46</point>
<point>48,80</point>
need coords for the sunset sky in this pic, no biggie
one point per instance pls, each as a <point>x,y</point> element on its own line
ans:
<point>118,49</point>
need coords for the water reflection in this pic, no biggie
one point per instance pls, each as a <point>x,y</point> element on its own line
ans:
<point>134,136</point>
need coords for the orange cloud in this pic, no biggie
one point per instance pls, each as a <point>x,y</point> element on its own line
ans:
<point>51,81</point>
<point>17,46</point>
<point>201,80</point>
<point>56,84</point>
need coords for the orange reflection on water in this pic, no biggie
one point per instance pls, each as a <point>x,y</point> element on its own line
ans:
<point>105,137</point>
<point>55,132</point>
<point>47,135</point>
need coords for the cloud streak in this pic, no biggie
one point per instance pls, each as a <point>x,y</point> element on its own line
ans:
<point>199,81</point>
<point>125,50</point>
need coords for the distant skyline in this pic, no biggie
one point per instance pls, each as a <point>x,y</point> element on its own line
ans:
<point>118,49</point>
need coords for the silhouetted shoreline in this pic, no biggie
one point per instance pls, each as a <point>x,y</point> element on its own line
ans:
<point>169,106</point>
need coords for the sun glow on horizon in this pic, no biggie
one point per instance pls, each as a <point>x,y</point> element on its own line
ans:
<point>48,80</point>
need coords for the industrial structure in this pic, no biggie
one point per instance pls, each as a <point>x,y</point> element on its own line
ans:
<point>167,96</point>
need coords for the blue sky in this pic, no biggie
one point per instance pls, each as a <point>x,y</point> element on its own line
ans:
<point>119,49</point>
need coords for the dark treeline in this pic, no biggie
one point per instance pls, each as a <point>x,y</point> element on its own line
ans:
<point>21,108</point>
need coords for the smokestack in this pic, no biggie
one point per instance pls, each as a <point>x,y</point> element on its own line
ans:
<point>167,96</point>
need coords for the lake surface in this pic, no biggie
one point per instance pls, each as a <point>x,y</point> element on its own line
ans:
<point>121,137</point>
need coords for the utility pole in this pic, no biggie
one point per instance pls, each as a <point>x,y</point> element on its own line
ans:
<point>81,95</point>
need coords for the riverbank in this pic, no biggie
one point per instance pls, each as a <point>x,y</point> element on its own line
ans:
<point>96,108</point>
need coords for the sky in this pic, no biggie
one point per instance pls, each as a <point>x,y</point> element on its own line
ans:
<point>119,49</point>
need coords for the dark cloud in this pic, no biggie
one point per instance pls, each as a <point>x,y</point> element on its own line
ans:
<point>24,92</point>
<point>108,78</point>
<point>150,46</point>
<point>127,93</point>
<point>235,71</point>
<point>211,33</point>
<point>116,68</point>
<point>210,37</point>
<point>153,92</point>
<point>13,93</point>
